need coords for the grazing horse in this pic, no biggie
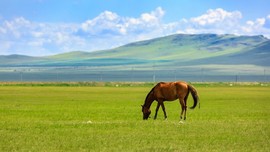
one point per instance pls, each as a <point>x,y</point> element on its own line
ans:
<point>169,92</point>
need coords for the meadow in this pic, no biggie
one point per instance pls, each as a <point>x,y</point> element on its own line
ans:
<point>109,118</point>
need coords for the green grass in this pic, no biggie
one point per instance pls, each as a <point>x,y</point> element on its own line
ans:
<point>57,118</point>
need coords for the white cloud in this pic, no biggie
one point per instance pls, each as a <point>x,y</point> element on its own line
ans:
<point>217,16</point>
<point>5,46</point>
<point>217,21</point>
<point>108,30</point>
<point>267,22</point>
<point>154,16</point>
<point>220,21</point>
<point>37,34</point>
<point>260,26</point>
<point>260,21</point>
<point>109,23</point>
<point>22,36</point>
<point>105,21</point>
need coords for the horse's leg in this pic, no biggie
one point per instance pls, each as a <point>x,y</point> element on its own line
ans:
<point>185,103</point>
<point>185,109</point>
<point>164,111</point>
<point>182,102</point>
<point>158,105</point>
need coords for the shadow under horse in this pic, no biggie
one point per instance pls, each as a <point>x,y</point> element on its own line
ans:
<point>169,91</point>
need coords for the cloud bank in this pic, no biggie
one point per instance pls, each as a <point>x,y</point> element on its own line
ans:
<point>108,30</point>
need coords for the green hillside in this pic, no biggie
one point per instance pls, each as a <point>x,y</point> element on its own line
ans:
<point>256,55</point>
<point>13,60</point>
<point>183,47</point>
<point>179,49</point>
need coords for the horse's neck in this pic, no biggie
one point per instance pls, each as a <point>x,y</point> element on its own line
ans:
<point>149,100</point>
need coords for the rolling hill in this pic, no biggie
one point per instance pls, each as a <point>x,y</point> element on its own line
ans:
<point>212,51</point>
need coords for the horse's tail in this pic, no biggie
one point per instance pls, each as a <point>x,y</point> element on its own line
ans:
<point>194,95</point>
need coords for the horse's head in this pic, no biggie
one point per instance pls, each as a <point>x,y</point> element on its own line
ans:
<point>146,112</point>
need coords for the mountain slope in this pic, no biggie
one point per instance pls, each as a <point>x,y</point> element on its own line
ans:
<point>169,50</point>
<point>184,47</point>
<point>20,60</point>
<point>257,55</point>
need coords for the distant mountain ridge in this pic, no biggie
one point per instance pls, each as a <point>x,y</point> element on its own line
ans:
<point>176,50</point>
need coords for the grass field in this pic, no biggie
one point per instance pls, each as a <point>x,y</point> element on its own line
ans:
<point>74,118</point>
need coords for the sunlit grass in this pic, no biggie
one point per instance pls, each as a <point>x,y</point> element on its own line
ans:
<point>57,118</point>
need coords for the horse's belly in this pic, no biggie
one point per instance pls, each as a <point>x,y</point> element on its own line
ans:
<point>167,93</point>
<point>168,97</point>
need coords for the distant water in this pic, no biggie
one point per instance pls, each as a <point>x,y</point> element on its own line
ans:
<point>130,76</point>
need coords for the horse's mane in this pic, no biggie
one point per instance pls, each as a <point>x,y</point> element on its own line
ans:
<point>149,94</point>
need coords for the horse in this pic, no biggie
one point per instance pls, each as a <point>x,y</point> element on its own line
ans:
<point>169,91</point>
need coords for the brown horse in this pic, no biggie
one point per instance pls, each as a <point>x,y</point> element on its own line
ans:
<point>169,92</point>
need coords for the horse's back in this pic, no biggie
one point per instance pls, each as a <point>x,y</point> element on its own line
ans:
<point>181,85</point>
<point>170,90</point>
<point>173,85</point>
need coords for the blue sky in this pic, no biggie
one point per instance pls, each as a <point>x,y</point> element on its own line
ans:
<point>46,27</point>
